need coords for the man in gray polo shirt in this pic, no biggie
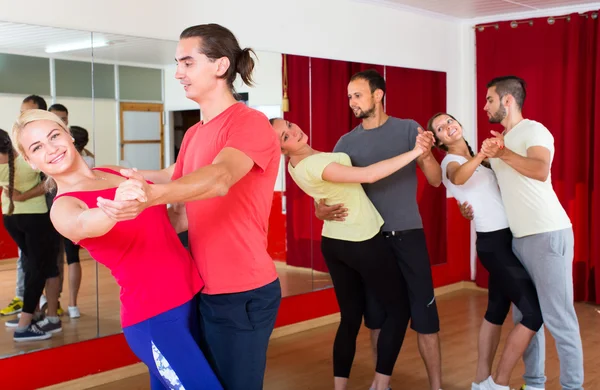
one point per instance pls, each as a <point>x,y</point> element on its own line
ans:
<point>377,138</point>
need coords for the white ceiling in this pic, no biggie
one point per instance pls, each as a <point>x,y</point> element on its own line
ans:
<point>473,9</point>
<point>32,40</point>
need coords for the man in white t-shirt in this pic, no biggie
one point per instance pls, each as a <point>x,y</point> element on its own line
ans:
<point>543,240</point>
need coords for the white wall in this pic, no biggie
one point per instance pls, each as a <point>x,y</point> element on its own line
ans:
<point>10,108</point>
<point>266,91</point>
<point>106,135</point>
<point>337,29</point>
<point>102,141</point>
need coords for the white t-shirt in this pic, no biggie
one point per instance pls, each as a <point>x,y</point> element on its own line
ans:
<point>532,206</point>
<point>482,193</point>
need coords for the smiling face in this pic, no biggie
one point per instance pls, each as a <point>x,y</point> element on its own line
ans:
<point>446,129</point>
<point>291,137</point>
<point>47,146</point>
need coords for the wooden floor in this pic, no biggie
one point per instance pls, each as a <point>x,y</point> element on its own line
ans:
<point>303,360</point>
<point>100,306</point>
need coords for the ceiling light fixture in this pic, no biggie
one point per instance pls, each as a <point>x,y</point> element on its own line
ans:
<point>73,46</point>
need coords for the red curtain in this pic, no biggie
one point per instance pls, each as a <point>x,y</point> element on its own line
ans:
<point>320,108</point>
<point>418,94</point>
<point>319,105</point>
<point>560,63</point>
<point>299,207</point>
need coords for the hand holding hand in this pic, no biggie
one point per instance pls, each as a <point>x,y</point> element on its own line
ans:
<point>132,197</point>
<point>425,140</point>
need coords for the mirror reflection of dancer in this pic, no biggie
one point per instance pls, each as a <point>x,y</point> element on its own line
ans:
<point>356,254</point>
<point>28,223</point>
<point>142,254</point>
<point>469,179</point>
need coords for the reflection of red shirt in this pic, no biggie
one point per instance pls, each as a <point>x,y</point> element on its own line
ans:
<point>228,234</point>
<point>151,266</point>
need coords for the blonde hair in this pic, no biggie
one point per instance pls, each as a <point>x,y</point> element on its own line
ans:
<point>28,117</point>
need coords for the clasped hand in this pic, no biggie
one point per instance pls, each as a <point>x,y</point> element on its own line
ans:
<point>493,147</point>
<point>425,141</point>
<point>131,197</point>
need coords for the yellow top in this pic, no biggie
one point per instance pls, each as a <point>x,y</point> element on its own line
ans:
<point>25,179</point>
<point>363,220</point>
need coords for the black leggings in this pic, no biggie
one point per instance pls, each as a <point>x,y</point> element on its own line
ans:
<point>508,282</point>
<point>38,240</point>
<point>355,266</point>
<point>72,251</point>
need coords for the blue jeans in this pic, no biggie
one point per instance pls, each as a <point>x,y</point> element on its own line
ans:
<point>235,332</point>
<point>166,345</point>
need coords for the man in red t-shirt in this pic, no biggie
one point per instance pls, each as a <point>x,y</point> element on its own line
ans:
<point>225,174</point>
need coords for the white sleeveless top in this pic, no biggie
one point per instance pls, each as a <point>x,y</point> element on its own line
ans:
<point>482,193</point>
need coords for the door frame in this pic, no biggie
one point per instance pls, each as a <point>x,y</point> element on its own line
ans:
<point>143,107</point>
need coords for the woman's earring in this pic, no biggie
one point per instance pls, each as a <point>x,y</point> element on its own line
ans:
<point>73,139</point>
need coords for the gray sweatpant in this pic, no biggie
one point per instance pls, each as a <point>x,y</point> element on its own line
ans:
<point>548,257</point>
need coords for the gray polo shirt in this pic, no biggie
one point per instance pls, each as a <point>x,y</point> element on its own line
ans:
<point>395,196</point>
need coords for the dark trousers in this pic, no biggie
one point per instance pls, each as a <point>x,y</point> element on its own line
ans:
<point>508,281</point>
<point>38,241</point>
<point>235,332</point>
<point>354,267</point>
<point>72,251</point>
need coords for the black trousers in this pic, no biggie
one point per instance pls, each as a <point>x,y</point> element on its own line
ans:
<point>38,240</point>
<point>355,267</point>
<point>508,282</point>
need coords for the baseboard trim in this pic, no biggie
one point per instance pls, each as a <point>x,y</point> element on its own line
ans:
<point>305,325</point>
<point>466,285</point>
<point>103,378</point>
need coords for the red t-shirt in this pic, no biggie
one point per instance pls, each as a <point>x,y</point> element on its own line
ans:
<point>228,234</point>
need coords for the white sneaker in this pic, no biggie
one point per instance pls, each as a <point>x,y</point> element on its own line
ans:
<point>475,386</point>
<point>489,384</point>
<point>74,312</point>
<point>43,302</point>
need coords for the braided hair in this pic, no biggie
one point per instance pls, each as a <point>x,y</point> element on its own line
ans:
<point>444,147</point>
<point>6,147</point>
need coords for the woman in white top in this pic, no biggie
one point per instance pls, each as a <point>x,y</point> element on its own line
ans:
<point>355,252</point>
<point>469,179</point>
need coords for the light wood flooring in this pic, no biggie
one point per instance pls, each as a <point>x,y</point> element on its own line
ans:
<point>99,304</point>
<point>303,360</point>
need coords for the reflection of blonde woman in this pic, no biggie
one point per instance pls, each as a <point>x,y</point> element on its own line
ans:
<point>142,254</point>
<point>28,223</point>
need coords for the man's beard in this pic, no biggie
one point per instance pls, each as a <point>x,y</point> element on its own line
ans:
<point>360,114</point>
<point>498,116</point>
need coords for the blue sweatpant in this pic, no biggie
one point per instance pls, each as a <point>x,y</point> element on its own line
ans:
<point>166,345</point>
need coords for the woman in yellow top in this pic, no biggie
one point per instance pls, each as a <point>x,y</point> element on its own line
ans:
<point>28,223</point>
<point>356,254</point>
